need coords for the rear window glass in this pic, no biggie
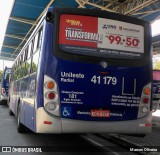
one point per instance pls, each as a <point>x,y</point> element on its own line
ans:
<point>100,37</point>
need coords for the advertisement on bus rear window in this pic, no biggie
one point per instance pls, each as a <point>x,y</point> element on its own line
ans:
<point>93,36</point>
<point>156,84</point>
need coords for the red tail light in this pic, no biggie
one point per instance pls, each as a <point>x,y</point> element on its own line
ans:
<point>145,100</point>
<point>51,95</point>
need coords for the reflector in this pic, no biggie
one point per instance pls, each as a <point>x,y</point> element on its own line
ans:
<point>47,122</point>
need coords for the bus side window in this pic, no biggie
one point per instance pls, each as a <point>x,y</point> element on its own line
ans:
<point>28,56</point>
<point>30,50</point>
<point>40,38</point>
<point>11,78</point>
<point>35,42</point>
<point>16,74</point>
<point>28,66</point>
<point>35,62</point>
<point>24,62</point>
<point>19,72</point>
<point>20,67</point>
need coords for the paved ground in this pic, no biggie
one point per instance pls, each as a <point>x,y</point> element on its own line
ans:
<point>152,139</point>
<point>61,143</point>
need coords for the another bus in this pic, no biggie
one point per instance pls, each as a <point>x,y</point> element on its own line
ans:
<point>156,89</point>
<point>5,85</point>
<point>84,71</point>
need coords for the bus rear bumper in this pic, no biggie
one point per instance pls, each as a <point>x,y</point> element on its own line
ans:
<point>61,125</point>
<point>139,126</point>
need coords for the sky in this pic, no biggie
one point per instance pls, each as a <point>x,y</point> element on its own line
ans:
<point>156,27</point>
<point>5,10</point>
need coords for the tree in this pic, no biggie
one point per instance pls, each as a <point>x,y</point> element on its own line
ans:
<point>156,65</point>
<point>1,73</point>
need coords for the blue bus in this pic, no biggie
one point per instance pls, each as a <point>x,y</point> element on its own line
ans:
<point>5,85</point>
<point>156,89</point>
<point>84,71</point>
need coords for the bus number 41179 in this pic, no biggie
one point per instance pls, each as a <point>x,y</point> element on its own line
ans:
<point>104,80</point>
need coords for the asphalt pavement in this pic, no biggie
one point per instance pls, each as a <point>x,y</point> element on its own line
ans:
<point>61,144</point>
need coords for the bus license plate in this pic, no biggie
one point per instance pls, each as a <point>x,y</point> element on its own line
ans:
<point>100,113</point>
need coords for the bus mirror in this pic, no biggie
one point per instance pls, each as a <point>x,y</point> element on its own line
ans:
<point>49,17</point>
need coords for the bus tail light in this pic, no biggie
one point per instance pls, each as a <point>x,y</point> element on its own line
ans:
<point>144,109</point>
<point>50,85</point>
<point>51,96</point>
<point>146,100</point>
<point>147,91</point>
<point>51,106</point>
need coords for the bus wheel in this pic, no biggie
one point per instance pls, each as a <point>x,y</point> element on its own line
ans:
<point>10,112</point>
<point>3,102</point>
<point>20,127</point>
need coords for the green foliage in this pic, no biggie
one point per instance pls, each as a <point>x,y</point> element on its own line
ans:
<point>1,73</point>
<point>156,65</point>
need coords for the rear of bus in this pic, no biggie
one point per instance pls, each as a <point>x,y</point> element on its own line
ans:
<point>97,73</point>
<point>5,85</point>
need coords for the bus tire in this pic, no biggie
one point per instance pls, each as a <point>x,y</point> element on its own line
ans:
<point>20,127</point>
<point>10,112</point>
<point>3,102</point>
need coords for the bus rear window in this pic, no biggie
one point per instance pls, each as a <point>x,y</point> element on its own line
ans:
<point>100,37</point>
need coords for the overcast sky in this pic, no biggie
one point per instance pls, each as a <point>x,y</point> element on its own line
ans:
<point>5,10</point>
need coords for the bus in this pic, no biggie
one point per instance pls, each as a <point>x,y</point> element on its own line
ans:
<point>5,85</point>
<point>156,89</point>
<point>84,71</point>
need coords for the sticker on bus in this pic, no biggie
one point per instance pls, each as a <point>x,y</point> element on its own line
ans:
<point>100,113</point>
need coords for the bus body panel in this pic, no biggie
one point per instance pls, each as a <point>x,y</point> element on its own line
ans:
<point>29,116</point>
<point>23,95</point>
<point>156,89</point>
